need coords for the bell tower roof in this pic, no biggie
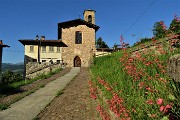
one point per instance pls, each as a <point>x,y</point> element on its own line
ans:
<point>89,10</point>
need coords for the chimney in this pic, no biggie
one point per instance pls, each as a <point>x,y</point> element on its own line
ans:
<point>42,37</point>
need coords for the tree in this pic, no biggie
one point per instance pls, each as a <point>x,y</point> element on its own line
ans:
<point>115,46</point>
<point>159,29</point>
<point>100,43</point>
<point>175,25</point>
<point>143,40</point>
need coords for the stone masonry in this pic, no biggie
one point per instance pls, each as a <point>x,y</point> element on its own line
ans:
<point>173,67</point>
<point>36,69</point>
<point>85,50</point>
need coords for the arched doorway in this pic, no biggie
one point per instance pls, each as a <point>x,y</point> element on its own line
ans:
<point>77,61</point>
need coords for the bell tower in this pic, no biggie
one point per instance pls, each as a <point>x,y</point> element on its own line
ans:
<point>89,16</point>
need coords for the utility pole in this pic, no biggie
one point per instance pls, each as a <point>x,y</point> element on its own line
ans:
<point>1,50</point>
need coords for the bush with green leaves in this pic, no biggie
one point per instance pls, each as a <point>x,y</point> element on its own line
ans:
<point>10,77</point>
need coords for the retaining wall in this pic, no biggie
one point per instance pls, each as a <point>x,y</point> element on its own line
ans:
<point>173,67</point>
<point>36,69</point>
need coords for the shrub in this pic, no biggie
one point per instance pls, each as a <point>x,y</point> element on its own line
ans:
<point>10,77</point>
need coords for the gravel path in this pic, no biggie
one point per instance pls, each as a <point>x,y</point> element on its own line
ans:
<point>74,103</point>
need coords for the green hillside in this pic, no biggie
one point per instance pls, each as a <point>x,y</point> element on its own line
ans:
<point>13,67</point>
<point>135,87</point>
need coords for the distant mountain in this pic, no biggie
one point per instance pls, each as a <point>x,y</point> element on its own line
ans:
<point>13,67</point>
<point>20,63</point>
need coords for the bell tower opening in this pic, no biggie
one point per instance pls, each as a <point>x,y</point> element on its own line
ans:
<point>89,16</point>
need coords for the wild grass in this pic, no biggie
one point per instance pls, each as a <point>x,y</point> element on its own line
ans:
<point>134,86</point>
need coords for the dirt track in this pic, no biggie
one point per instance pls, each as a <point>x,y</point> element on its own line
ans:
<point>74,103</point>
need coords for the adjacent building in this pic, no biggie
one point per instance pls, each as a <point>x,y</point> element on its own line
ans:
<point>42,50</point>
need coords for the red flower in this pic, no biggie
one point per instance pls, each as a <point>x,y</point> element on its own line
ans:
<point>159,101</point>
<point>109,89</point>
<point>165,108</point>
<point>98,108</point>
<point>162,108</point>
<point>149,102</point>
<point>153,115</point>
<point>141,85</point>
<point>133,110</point>
<point>149,89</point>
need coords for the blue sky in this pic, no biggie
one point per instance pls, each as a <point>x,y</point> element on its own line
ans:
<point>24,19</point>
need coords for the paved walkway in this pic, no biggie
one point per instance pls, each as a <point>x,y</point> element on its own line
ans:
<point>30,106</point>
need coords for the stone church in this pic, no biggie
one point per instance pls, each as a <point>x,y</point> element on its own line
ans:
<point>75,46</point>
<point>79,35</point>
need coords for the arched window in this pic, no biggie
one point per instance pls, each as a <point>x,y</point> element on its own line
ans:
<point>90,18</point>
<point>78,39</point>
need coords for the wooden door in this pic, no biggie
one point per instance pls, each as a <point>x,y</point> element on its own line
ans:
<point>77,61</point>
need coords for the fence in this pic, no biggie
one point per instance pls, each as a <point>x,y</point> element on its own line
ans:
<point>99,54</point>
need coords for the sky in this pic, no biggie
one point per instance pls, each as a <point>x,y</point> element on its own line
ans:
<point>134,19</point>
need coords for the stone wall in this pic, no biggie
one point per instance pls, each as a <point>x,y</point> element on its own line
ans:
<point>85,51</point>
<point>173,67</point>
<point>36,69</point>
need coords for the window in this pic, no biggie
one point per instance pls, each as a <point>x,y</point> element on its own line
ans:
<point>34,60</point>
<point>58,49</point>
<point>51,49</point>
<point>58,61</point>
<point>31,48</point>
<point>43,48</point>
<point>78,37</point>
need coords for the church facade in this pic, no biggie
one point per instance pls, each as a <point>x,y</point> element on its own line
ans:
<point>79,35</point>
